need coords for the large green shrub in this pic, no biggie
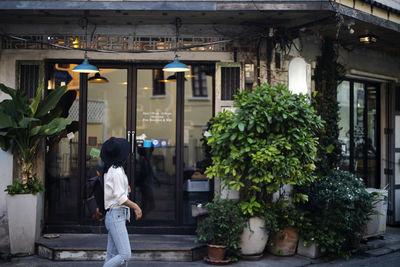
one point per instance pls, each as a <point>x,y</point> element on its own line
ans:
<point>268,141</point>
<point>338,209</point>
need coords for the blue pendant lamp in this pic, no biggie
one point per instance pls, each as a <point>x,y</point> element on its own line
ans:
<point>85,67</point>
<point>176,66</point>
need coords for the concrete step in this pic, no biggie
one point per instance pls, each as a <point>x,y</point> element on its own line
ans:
<point>87,247</point>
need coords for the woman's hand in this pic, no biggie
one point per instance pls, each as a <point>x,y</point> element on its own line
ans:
<point>135,207</point>
<point>138,212</point>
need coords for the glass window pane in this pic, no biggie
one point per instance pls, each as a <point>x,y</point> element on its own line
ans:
<point>62,173</point>
<point>106,117</point>
<point>155,169</point>
<point>198,112</point>
<point>343,97</point>
<point>372,138</point>
<point>359,140</point>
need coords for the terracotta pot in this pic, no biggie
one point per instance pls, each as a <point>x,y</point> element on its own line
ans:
<point>284,243</point>
<point>216,252</point>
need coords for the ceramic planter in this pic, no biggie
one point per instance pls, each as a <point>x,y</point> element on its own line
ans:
<point>284,243</point>
<point>216,252</point>
<point>310,251</point>
<point>254,238</point>
<point>24,218</point>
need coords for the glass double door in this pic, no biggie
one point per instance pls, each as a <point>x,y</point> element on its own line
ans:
<point>136,105</point>
<point>164,126</point>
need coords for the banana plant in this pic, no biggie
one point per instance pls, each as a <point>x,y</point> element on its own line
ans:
<point>25,122</point>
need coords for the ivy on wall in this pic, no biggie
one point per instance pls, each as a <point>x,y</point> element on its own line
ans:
<point>328,74</point>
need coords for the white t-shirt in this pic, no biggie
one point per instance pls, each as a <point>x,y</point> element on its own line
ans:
<point>115,188</point>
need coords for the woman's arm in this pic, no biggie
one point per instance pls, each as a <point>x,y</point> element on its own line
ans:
<point>135,207</point>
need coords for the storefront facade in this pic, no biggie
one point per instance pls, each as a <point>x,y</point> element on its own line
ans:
<point>228,47</point>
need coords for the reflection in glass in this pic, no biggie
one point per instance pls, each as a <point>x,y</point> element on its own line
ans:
<point>365,136</point>
<point>372,138</point>
<point>198,111</point>
<point>359,141</point>
<point>62,175</point>
<point>155,169</point>
<point>343,97</point>
<point>106,117</point>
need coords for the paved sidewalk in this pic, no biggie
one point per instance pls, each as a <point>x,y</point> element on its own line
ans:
<point>376,252</point>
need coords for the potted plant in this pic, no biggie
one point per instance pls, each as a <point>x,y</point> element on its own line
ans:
<point>268,141</point>
<point>338,210</point>
<point>284,237</point>
<point>221,230</point>
<point>24,123</point>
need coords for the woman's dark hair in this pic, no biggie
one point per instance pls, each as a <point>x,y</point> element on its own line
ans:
<point>115,165</point>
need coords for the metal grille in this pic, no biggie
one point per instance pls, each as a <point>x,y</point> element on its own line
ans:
<point>113,42</point>
<point>230,82</point>
<point>95,111</point>
<point>29,79</point>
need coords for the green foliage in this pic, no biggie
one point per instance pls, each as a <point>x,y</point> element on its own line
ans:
<point>33,186</point>
<point>327,76</point>
<point>270,140</point>
<point>281,214</point>
<point>23,125</point>
<point>223,226</point>
<point>337,210</point>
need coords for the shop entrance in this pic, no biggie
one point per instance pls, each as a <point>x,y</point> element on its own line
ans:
<point>163,117</point>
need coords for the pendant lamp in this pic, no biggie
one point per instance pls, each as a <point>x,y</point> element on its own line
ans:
<point>97,78</point>
<point>85,67</point>
<point>176,66</point>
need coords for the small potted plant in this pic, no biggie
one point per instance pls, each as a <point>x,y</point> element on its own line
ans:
<point>221,230</point>
<point>284,237</point>
<point>24,123</point>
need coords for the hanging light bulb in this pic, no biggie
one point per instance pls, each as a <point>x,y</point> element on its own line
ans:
<point>75,43</point>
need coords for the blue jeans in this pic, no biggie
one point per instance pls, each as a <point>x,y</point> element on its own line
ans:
<point>118,246</point>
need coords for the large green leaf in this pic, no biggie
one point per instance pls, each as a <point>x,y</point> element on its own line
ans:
<point>6,121</point>
<point>4,142</point>
<point>7,106</point>
<point>10,91</point>
<point>21,102</point>
<point>54,127</point>
<point>50,101</point>
<point>24,123</point>
<point>19,98</point>
<point>35,103</point>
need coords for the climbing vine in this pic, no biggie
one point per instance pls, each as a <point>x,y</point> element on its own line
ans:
<point>328,74</point>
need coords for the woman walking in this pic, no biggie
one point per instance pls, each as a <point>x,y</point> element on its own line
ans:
<point>116,189</point>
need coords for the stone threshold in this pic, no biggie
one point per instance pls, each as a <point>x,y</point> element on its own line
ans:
<point>92,247</point>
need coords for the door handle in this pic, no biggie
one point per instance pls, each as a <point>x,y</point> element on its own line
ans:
<point>133,142</point>
<point>130,139</point>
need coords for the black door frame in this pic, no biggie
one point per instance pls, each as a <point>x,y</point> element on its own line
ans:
<point>82,225</point>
